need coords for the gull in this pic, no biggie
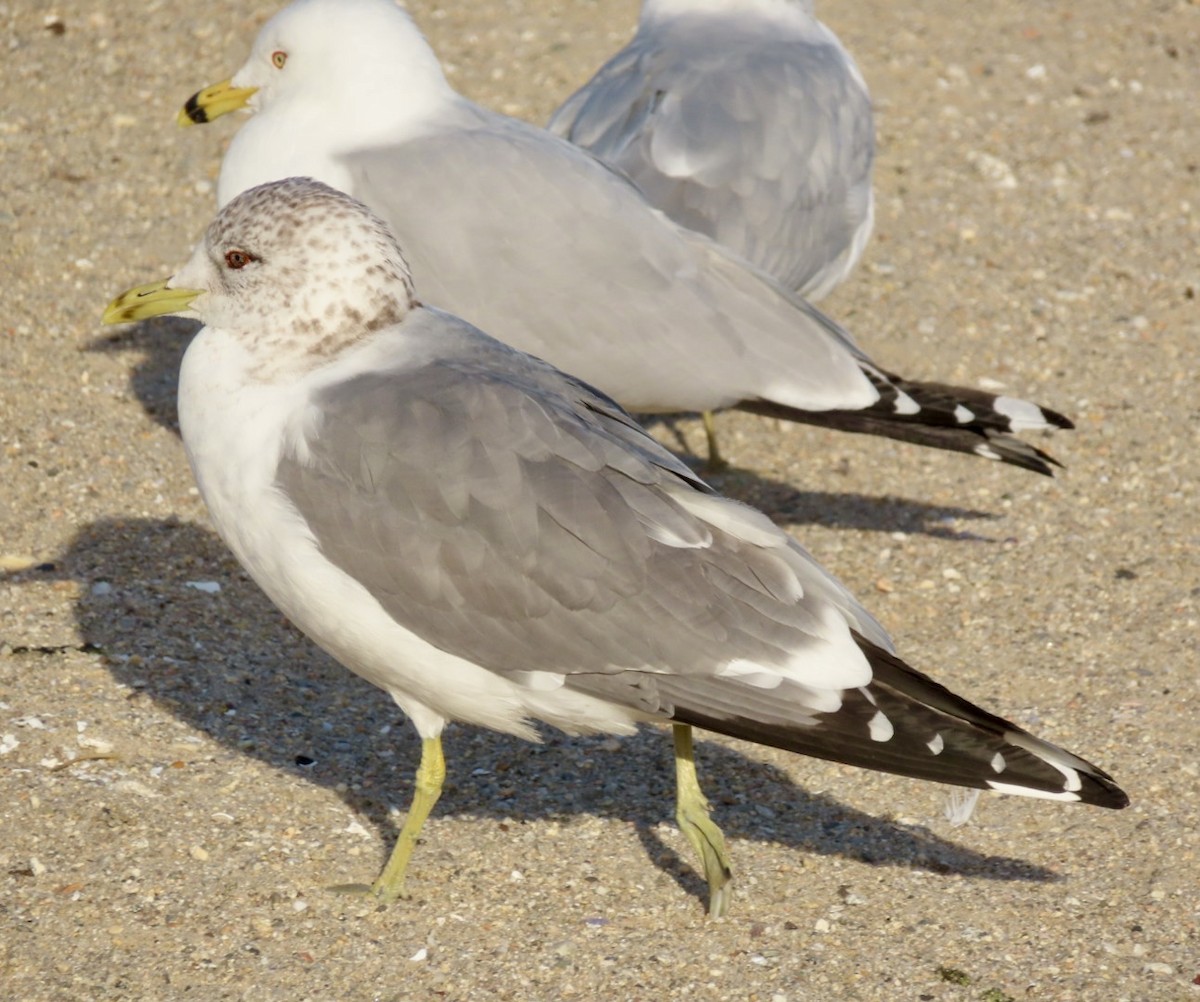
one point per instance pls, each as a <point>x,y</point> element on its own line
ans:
<point>543,246</point>
<point>493,541</point>
<point>745,120</point>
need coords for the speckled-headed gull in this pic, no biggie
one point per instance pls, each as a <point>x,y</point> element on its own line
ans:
<point>493,541</point>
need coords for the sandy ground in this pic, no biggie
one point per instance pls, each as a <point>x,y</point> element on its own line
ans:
<point>182,775</point>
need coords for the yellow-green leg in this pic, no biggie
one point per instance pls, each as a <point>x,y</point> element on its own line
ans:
<point>431,773</point>
<point>716,462</point>
<point>691,813</point>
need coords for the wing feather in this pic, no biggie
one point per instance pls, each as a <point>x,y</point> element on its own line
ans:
<point>673,321</point>
<point>756,135</point>
<point>513,516</point>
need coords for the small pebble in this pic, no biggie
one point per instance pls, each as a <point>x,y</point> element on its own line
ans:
<point>32,722</point>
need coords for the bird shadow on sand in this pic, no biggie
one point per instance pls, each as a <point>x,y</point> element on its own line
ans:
<point>161,342</point>
<point>788,505</point>
<point>230,666</point>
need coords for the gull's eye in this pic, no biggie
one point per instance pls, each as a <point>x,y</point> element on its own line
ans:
<point>278,58</point>
<point>238,259</point>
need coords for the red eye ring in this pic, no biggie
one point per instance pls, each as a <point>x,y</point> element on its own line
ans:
<point>278,58</point>
<point>238,259</point>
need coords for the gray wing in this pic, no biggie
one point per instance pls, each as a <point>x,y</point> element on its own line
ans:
<point>542,246</point>
<point>762,141</point>
<point>516,518</point>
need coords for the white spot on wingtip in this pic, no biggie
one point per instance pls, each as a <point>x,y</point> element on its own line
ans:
<point>1021,414</point>
<point>997,762</point>
<point>880,727</point>
<point>936,744</point>
<point>904,404</point>
<point>963,415</point>
<point>1024,791</point>
<point>987,452</point>
<point>1050,755</point>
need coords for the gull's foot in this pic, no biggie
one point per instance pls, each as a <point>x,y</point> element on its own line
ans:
<point>389,885</point>
<point>691,814</point>
<point>709,843</point>
<point>377,890</point>
<point>716,462</point>
<point>388,892</point>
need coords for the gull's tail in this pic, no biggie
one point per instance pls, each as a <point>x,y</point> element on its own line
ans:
<point>901,722</point>
<point>938,415</point>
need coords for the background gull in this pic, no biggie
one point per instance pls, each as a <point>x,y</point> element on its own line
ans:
<point>549,250</point>
<point>490,540</point>
<point>745,120</point>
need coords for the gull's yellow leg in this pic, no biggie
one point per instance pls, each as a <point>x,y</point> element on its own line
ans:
<point>691,813</point>
<point>716,462</point>
<point>431,773</point>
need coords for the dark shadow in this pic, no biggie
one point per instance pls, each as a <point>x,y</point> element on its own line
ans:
<point>230,665</point>
<point>788,505</point>
<point>846,510</point>
<point>160,343</point>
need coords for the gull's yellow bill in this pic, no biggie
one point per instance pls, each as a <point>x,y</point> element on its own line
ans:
<point>153,300</point>
<point>215,101</point>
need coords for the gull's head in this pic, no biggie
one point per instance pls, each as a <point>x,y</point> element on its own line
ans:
<point>292,268</point>
<point>349,63</point>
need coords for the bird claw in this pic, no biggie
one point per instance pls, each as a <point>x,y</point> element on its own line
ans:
<point>706,838</point>
<point>376,890</point>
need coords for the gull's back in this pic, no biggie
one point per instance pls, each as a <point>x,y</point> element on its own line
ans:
<point>552,254</point>
<point>747,121</point>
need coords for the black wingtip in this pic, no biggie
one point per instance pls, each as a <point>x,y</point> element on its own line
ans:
<point>1033,766</point>
<point>1057,419</point>
<point>953,418</point>
<point>1103,792</point>
<point>904,723</point>
<point>1004,448</point>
